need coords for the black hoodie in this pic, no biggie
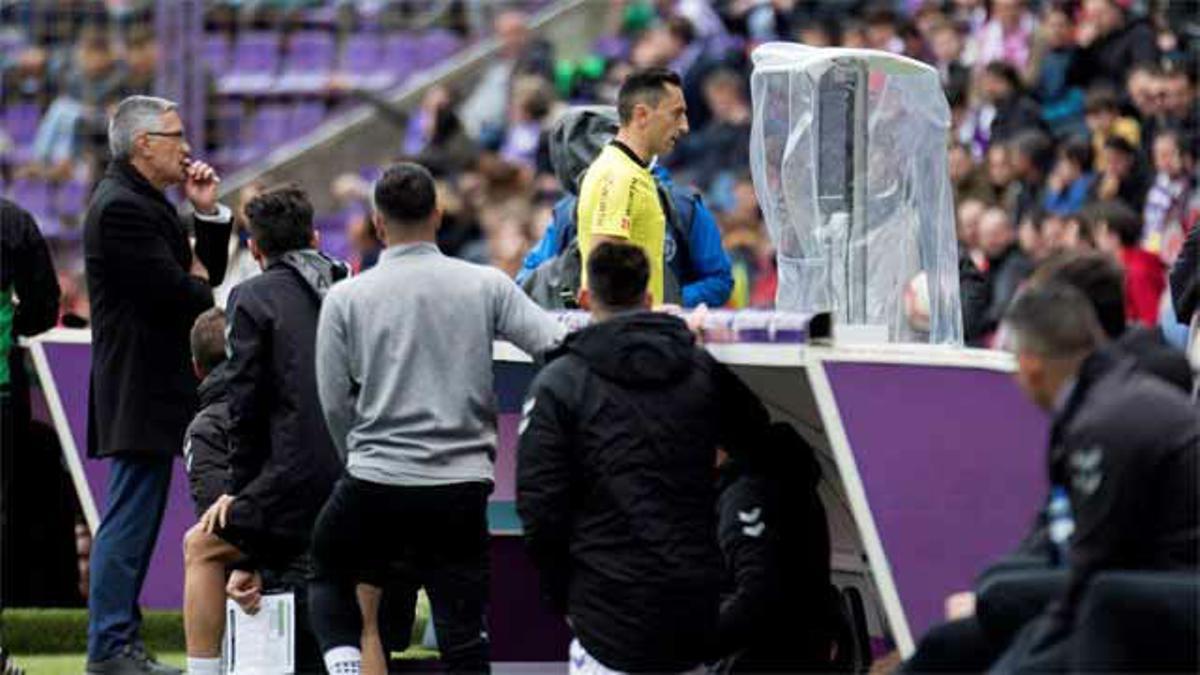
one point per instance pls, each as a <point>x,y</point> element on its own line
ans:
<point>283,462</point>
<point>615,487</point>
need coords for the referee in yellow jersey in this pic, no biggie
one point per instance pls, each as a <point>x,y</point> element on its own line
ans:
<point>618,198</point>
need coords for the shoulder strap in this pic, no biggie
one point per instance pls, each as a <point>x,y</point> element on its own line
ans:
<point>566,218</point>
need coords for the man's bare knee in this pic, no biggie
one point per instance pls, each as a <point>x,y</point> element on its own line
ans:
<point>202,547</point>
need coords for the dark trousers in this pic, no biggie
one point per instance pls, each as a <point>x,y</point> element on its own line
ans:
<point>961,646</point>
<point>137,497</point>
<point>403,538</point>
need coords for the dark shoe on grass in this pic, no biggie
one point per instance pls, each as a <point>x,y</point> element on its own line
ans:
<point>131,661</point>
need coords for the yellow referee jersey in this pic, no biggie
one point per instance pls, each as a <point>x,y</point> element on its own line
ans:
<point>618,198</point>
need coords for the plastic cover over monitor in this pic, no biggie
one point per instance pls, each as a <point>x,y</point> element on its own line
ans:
<point>848,154</point>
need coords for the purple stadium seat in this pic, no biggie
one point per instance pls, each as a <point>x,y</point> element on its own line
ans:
<point>401,51</point>
<point>216,52</point>
<point>306,117</point>
<point>309,62</point>
<point>361,56</point>
<point>33,195</point>
<point>71,199</point>
<point>21,123</point>
<point>11,44</point>
<point>255,61</point>
<point>435,46</point>
<point>231,133</point>
<point>330,222</point>
<point>335,243</point>
<point>271,128</point>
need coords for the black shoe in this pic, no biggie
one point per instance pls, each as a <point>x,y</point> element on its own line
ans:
<point>131,661</point>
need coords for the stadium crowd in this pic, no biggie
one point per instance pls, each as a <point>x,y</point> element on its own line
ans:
<point>1062,111</point>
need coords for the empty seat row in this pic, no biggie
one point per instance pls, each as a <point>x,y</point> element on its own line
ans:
<point>244,138</point>
<point>262,62</point>
<point>58,207</point>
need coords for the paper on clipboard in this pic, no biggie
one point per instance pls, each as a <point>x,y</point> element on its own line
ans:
<point>264,643</point>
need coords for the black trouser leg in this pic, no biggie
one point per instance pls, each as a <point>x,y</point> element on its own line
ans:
<point>334,613</point>
<point>396,609</point>
<point>457,579</point>
<point>337,544</point>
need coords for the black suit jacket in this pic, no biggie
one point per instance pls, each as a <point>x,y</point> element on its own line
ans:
<point>143,391</point>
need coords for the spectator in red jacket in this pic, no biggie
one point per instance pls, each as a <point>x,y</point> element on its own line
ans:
<point>1118,231</point>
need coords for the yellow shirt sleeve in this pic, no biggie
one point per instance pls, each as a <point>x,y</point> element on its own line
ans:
<point>612,216</point>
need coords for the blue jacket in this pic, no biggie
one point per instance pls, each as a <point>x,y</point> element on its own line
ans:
<point>704,273</point>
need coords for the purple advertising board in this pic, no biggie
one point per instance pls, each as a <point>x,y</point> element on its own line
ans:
<point>942,466</point>
<point>952,465</point>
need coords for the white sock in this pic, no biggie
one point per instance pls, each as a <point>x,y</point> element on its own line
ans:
<point>204,666</point>
<point>343,661</point>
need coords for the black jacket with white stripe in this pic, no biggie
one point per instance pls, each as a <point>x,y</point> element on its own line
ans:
<point>782,613</point>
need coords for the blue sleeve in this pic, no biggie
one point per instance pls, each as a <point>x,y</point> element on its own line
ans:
<point>710,264</point>
<point>545,249</point>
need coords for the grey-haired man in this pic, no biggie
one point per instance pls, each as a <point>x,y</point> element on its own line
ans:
<point>147,286</point>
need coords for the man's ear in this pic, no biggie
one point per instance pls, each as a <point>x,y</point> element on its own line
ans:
<point>584,298</point>
<point>1033,367</point>
<point>140,144</point>
<point>641,112</point>
<point>437,218</point>
<point>257,254</point>
<point>377,224</point>
<point>197,370</point>
<point>647,300</point>
<point>315,240</point>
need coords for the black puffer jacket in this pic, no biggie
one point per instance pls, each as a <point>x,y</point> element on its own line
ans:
<point>283,461</point>
<point>206,443</point>
<point>615,487</point>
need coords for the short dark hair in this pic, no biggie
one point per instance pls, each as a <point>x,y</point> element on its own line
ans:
<point>618,274</point>
<point>1101,99</point>
<point>208,339</point>
<point>1034,145</point>
<point>644,86</point>
<point>881,15</point>
<point>681,29</point>
<point>1097,276</point>
<point>1006,72</point>
<point>1078,151</point>
<point>1121,220</point>
<point>1120,144</point>
<point>405,194</point>
<point>280,220</point>
<point>1053,320</point>
<point>1150,68</point>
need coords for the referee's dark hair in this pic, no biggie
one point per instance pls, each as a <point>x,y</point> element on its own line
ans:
<point>647,86</point>
<point>617,275</point>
